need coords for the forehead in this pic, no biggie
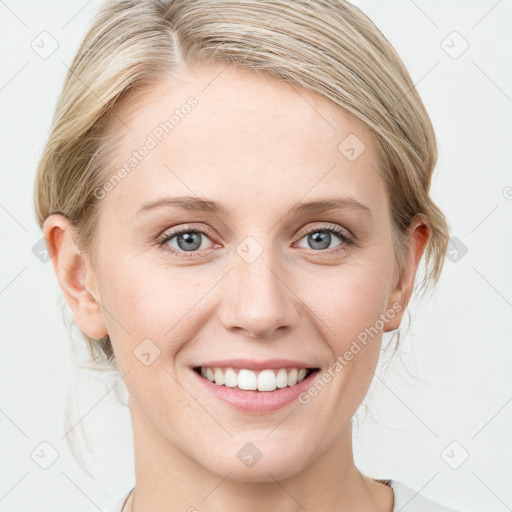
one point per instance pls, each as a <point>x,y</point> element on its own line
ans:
<point>247,135</point>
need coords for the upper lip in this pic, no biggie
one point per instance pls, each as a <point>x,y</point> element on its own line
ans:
<point>251,364</point>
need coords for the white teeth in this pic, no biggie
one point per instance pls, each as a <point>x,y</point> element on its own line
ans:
<point>230,378</point>
<point>292,377</point>
<point>247,380</point>
<point>265,380</point>
<point>282,378</point>
<point>219,376</point>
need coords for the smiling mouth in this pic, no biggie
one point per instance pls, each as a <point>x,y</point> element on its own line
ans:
<point>249,380</point>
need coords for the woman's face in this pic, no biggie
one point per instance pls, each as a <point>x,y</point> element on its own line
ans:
<point>260,277</point>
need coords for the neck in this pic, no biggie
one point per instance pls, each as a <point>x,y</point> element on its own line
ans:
<point>168,479</point>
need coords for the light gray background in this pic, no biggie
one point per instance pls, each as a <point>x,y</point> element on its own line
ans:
<point>459,348</point>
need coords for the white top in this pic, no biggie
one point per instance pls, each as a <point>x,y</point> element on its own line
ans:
<point>406,500</point>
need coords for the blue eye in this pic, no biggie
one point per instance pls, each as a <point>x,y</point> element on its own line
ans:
<point>188,241</point>
<point>322,237</point>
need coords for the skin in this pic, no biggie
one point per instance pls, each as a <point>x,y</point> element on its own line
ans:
<point>257,146</point>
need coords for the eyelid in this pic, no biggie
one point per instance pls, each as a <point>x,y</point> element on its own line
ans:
<point>327,227</point>
<point>345,235</point>
<point>171,232</point>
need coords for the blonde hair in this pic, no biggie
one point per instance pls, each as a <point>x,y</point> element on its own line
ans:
<point>327,46</point>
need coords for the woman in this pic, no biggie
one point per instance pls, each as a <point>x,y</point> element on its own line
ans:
<point>235,195</point>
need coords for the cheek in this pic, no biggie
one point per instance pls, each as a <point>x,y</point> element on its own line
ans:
<point>137,304</point>
<point>349,300</point>
<point>158,303</point>
<point>161,302</point>
<point>146,310</point>
<point>147,297</point>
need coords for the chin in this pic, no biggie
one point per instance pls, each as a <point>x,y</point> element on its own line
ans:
<point>259,461</point>
<point>262,472</point>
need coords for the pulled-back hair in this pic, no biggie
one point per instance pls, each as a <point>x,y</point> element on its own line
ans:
<point>327,46</point>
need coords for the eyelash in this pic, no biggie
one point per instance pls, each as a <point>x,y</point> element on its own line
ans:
<point>191,254</point>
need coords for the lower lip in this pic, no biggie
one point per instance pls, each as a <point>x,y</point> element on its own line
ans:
<point>257,401</point>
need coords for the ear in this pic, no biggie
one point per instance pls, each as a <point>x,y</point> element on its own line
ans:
<point>418,235</point>
<point>75,275</point>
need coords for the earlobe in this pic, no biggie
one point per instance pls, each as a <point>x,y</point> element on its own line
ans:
<point>73,271</point>
<point>418,236</point>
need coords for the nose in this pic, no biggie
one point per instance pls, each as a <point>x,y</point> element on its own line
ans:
<point>258,299</point>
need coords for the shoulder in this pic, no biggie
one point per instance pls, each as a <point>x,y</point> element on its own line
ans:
<point>118,506</point>
<point>408,500</point>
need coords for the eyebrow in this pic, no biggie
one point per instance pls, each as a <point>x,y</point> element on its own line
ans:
<point>190,203</point>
